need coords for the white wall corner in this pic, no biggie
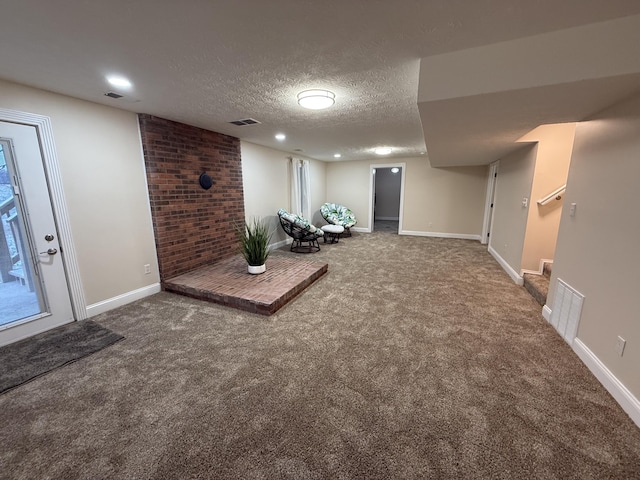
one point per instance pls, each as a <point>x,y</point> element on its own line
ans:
<point>462,236</point>
<point>506,267</point>
<point>546,313</point>
<point>629,403</point>
<point>120,300</point>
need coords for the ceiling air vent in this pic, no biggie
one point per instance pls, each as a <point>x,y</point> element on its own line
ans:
<point>113,95</point>
<point>246,121</point>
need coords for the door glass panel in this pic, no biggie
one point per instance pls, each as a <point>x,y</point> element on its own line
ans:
<point>19,289</point>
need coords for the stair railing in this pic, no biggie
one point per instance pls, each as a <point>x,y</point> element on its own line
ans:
<point>555,195</point>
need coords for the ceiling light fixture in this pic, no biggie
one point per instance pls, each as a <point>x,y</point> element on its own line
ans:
<point>316,99</point>
<point>336,155</point>
<point>280,136</point>
<point>383,150</point>
<point>395,170</point>
<point>120,82</point>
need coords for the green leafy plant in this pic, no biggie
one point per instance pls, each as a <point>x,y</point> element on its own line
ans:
<point>254,239</point>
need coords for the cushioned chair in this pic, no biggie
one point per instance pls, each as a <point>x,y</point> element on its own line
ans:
<point>301,230</point>
<point>339,215</point>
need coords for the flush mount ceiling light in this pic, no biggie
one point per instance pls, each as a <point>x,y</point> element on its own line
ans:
<point>280,136</point>
<point>119,82</point>
<point>316,99</point>
<point>336,155</point>
<point>383,150</point>
<point>395,170</point>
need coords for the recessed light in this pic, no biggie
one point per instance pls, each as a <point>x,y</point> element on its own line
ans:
<point>383,150</point>
<point>336,155</point>
<point>120,82</point>
<point>280,136</point>
<point>316,99</point>
<point>395,170</point>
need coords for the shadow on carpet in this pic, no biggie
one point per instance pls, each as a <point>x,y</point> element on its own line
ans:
<point>33,357</point>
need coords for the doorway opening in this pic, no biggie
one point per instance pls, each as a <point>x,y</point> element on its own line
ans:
<point>37,256</point>
<point>386,199</point>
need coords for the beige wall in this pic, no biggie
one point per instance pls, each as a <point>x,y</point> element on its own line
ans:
<point>266,182</point>
<point>105,188</point>
<point>436,200</point>
<point>515,176</point>
<point>597,251</point>
<point>555,143</point>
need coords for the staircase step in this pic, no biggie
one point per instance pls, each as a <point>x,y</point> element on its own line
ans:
<point>537,286</point>
<point>546,269</point>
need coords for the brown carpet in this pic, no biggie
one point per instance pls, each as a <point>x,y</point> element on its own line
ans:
<point>412,358</point>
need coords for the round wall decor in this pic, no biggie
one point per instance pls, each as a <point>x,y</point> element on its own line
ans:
<point>206,181</point>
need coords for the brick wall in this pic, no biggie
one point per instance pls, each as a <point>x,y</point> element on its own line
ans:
<point>193,226</point>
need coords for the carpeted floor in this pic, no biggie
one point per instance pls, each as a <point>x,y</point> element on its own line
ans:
<point>411,358</point>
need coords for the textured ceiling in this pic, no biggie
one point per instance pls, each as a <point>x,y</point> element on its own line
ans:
<point>207,63</point>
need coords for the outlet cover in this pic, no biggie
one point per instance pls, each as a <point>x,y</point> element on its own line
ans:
<point>620,344</point>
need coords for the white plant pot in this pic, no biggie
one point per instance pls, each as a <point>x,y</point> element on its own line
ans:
<point>257,269</point>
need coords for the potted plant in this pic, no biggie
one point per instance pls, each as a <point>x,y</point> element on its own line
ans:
<point>254,240</point>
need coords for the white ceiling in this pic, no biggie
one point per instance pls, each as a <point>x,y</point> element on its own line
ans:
<point>207,63</point>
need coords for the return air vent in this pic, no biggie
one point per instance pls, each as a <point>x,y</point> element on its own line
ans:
<point>246,121</point>
<point>567,308</point>
<point>113,95</point>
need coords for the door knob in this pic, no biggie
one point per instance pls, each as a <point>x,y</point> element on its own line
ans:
<point>51,251</point>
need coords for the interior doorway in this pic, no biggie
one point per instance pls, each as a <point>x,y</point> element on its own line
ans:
<point>34,290</point>
<point>386,199</point>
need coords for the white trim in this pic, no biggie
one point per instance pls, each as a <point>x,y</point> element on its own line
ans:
<point>387,218</point>
<point>403,173</point>
<point>629,403</point>
<point>540,270</point>
<point>281,243</point>
<point>120,300</point>
<point>463,236</point>
<point>506,267</point>
<point>546,313</point>
<point>491,190</point>
<point>49,155</point>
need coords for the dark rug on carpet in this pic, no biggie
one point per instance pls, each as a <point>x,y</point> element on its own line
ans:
<point>30,358</point>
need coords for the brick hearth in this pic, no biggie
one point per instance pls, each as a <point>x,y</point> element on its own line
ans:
<point>228,283</point>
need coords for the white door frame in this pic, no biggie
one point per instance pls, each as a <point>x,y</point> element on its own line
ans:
<point>43,126</point>
<point>372,179</point>
<point>489,201</point>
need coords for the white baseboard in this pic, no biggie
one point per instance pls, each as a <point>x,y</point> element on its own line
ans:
<point>361,229</point>
<point>546,313</point>
<point>395,219</point>
<point>629,403</point>
<point>463,236</point>
<point>281,243</point>
<point>540,270</point>
<point>121,300</point>
<point>506,267</point>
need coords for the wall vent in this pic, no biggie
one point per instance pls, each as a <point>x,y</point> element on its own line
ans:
<point>113,95</point>
<point>246,121</point>
<point>567,308</point>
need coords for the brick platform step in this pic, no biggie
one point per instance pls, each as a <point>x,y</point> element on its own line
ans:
<point>228,283</point>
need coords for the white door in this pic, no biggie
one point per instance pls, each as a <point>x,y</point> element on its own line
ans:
<point>34,293</point>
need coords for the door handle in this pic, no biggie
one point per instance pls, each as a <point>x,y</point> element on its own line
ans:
<point>51,251</point>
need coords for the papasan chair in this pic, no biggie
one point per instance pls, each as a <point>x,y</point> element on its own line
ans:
<point>301,230</point>
<point>337,214</point>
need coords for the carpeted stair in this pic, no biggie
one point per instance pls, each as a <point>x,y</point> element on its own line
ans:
<point>538,285</point>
